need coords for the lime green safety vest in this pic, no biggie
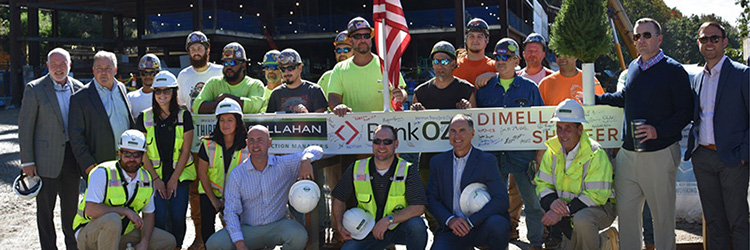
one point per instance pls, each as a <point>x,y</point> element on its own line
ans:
<point>153,151</point>
<point>115,195</point>
<point>216,165</point>
<point>396,199</point>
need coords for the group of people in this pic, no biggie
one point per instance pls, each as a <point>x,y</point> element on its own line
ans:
<point>136,152</point>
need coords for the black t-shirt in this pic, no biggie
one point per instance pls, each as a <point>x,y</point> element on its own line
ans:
<point>164,131</point>
<point>432,97</point>
<point>309,94</point>
<point>227,155</point>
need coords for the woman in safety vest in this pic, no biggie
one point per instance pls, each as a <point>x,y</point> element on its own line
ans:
<point>220,152</point>
<point>169,134</point>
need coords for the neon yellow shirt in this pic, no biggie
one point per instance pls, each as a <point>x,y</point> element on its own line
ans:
<point>506,83</point>
<point>323,82</point>
<point>249,89</point>
<point>360,87</point>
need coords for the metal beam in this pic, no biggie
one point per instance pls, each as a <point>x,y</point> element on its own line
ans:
<point>66,40</point>
<point>16,57</point>
<point>33,30</point>
<point>69,7</point>
<point>460,10</point>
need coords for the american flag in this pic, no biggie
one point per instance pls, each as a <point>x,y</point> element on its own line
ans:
<point>396,35</point>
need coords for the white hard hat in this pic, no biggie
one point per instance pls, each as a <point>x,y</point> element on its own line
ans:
<point>358,222</point>
<point>304,196</point>
<point>134,140</point>
<point>473,198</point>
<point>164,79</point>
<point>228,106</point>
<point>569,111</point>
<point>27,187</point>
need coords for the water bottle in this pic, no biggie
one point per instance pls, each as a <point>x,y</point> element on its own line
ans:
<point>130,247</point>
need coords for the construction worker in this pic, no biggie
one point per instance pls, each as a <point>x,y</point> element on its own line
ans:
<point>117,209</point>
<point>343,50</point>
<point>140,99</point>
<point>169,133</point>
<point>473,65</point>
<point>272,73</point>
<point>190,82</point>
<point>227,138</point>
<point>234,84</point>
<point>295,95</point>
<point>534,51</point>
<point>388,188</point>
<point>574,182</point>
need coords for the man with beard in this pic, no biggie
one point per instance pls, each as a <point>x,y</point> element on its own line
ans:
<point>235,84</point>
<point>142,98</point>
<point>199,71</point>
<point>117,193</point>
<point>343,50</point>
<point>273,74</point>
<point>355,84</point>
<point>295,95</point>
<point>47,152</point>
<point>473,65</point>
<point>534,48</point>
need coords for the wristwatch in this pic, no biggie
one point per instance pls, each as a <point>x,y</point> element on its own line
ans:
<point>390,219</point>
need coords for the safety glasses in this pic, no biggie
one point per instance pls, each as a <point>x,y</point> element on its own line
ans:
<point>128,154</point>
<point>289,68</point>
<point>444,61</point>
<point>231,63</point>
<point>713,39</point>
<point>503,57</point>
<point>645,35</point>
<point>270,67</point>
<point>148,73</point>
<point>361,36</point>
<point>382,142</point>
<point>343,50</point>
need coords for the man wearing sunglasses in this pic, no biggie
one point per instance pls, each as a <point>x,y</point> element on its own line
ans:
<point>272,74</point>
<point>234,84</point>
<point>140,99</point>
<point>657,89</point>
<point>295,95</point>
<point>508,90</point>
<point>389,189</point>
<point>355,84</point>
<point>719,143</point>
<point>343,50</point>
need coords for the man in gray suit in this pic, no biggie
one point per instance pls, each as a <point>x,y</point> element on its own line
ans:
<point>45,150</point>
<point>99,114</point>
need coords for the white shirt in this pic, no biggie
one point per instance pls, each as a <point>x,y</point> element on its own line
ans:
<point>63,93</point>
<point>140,101</point>
<point>191,82</point>
<point>570,156</point>
<point>537,78</point>
<point>459,165</point>
<point>708,88</point>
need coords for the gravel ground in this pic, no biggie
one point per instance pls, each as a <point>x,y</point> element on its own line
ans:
<point>18,215</point>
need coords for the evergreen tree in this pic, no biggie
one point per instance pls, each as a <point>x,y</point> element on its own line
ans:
<point>581,29</point>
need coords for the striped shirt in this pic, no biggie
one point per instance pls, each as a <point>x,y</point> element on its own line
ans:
<point>707,94</point>
<point>650,62</point>
<point>257,198</point>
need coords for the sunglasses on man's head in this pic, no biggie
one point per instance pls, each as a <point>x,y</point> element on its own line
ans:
<point>713,39</point>
<point>288,68</point>
<point>231,63</point>
<point>444,61</point>
<point>361,36</point>
<point>382,141</point>
<point>148,73</point>
<point>343,50</point>
<point>645,35</point>
<point>503,57</point>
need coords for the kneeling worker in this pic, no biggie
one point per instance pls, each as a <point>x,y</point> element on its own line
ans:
<point>118,191</point>
<point>574,182</point>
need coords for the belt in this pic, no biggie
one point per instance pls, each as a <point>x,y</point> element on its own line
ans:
<point>712,146</point>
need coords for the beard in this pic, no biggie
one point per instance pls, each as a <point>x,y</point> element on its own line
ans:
<point>272,77</point>
<point>130,166</point>
<point>199,63</point>
<point>235,76</point>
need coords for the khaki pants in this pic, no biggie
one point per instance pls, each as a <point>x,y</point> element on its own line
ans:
<point>586,225</point>
<point>105,232</point>
<point>641,177</point>
<point>514,208</point>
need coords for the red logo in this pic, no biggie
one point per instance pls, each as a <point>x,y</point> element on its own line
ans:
<point>338,132</point>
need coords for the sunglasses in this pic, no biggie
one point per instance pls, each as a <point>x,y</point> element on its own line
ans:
<point>444,61</point>
<point>503,57</point>
<point>361,36</point>
<point>382,141</point>
<point>148,73</point>
<point>646,35</point>
<point>270,67</point>
<point>128,154</point>
<point>713,39</point>
<point>163,91</point>
<point>231,63</point>
<point>288,68</point>
<point>343,50</point>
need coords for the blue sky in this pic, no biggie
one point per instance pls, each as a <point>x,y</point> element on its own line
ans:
<point>724,8</point>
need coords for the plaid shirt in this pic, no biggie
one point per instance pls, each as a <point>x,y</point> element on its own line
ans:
<point>645,65</point>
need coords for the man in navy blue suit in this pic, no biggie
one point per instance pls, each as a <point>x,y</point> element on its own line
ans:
<point>719,143</point>
<point>451,172</point>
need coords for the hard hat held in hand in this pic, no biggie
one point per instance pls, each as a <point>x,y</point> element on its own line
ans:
<point>228,106</point>
<point>134,140</point>
<point>358,222</point>
<point>164,79</point>
<point>569,111</point>
<point>304,196</point>
<point>27,187</point>
<point>473,198</point>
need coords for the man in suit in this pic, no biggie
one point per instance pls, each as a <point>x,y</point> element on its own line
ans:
<point>99,114</point>
<point>45,150</point>
<point>718,143</point>
<point>451,172</point>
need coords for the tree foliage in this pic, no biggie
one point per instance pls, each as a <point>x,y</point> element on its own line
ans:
<point>581,30</point>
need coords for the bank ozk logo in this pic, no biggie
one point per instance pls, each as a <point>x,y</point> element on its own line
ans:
<point>338,132</point>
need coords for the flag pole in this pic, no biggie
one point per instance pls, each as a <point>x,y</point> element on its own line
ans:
<point>383,53</point>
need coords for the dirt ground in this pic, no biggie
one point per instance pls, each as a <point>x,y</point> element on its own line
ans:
<point>18,216</point>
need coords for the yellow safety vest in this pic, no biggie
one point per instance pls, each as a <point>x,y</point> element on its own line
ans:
<point>116,195</point>
<point>216,165</point>
<point>153,151</point>
<point>396,199</point>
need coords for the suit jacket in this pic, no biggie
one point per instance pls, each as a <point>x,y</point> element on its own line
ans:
<point>41,129</point>
<point>88,125</point>
<point>731,114</point>
<point>480,167</point>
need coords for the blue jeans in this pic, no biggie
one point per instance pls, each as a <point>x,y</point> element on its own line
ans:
<point>412,233</point>
<point>172,211</point>
<point>494,232</point>
<point>510,162</point>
